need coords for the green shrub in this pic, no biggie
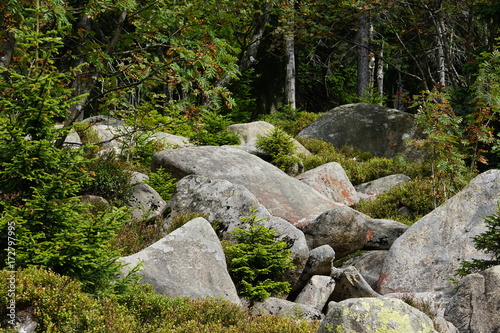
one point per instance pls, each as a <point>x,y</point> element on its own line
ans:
<point>211,131</point>
<point>60,305</point>
<point>257,260</point>
<point>416,195</point>
<point>488,242</point>
<point>359,166</point>
<point>279,145</point>
<point>110,179</point>
<point>292,121</point>
<point>163,183</point>
<point>136,236</point>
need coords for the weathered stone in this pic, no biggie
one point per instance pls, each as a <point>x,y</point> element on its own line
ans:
<point>372,128</point>
<point>147,203</point>
<point>282,195</point>
<point>316,292</point>
<point>72,139</point>
<point>287,309</point>
<point>475,308</point>
<point>426,256</point>
<point>224,203</point>
<point>343,228</point>
<point>350,284</point>
<point>138,178</point>
<point>368,315</point>
<point>369,265</point>
<point>331,180</point>
<point>187,262</point>
<point>319,263</point>
<point>382,233</point>
<point>374,188</point>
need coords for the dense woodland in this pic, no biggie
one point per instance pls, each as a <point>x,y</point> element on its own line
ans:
<point>193,67</point>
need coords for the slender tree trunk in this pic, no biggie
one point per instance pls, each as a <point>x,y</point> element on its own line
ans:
<point>363,42</point>
<point>380,73</point>
<point>290,75</point>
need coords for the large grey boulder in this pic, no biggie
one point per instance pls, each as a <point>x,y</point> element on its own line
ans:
<point>372,128</point>
<point>287,309</point>
<point>475,308</point>
<point>187,262</point>
<point>331,180</point>
<point>426,256</point>
<point>225,203</point>
<point>343,228</point>
<point>282,195</point>
<point>367,315</point>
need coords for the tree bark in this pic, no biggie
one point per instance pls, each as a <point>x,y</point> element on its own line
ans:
<point>290,74</point>
<point>363,43</point>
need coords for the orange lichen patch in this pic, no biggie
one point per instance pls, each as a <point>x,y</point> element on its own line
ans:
<point>369,234</point>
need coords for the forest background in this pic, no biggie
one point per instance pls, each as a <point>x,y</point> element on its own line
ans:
<point>193,67</point>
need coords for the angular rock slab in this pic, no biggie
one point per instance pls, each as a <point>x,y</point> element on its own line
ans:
<point>475,308</point>
<point>331,180</point>
<point>282,195</point>
<point>368,315</point>
<point>426,256</point>
<point>187,262</point>
<point>316,292</point>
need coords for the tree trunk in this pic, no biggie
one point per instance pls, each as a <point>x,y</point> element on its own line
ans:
<point>380,73</point>
<point>290,92</point>
<point>363,43</point>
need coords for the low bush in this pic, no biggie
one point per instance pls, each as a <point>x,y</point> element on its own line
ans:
<point>414,195</point>
<point>163,183</point>
<point>211,131</point>
<point>279,145</point>
<point>59,306</point>
<point>292,121</point>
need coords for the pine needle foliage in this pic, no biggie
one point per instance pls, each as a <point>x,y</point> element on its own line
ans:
<point>488,242</point>
<point>257,260</point>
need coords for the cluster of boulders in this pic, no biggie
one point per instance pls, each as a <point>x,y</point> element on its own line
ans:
<point>400,266</point>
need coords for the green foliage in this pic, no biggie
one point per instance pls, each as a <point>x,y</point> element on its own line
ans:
<point>257,260</point>
<point>110,179</point>
<point>212,131</point>
<point>163,183</point>
<point>443,143</point>
<point>279,145</point>
<point>421,305</point>
<point>292,121</point>
<point>415,195</point>
<point>136,236</point>
<point>359,166</point>
<point>488,242</point>
<point>40,182</point>
<point>60,306</point>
